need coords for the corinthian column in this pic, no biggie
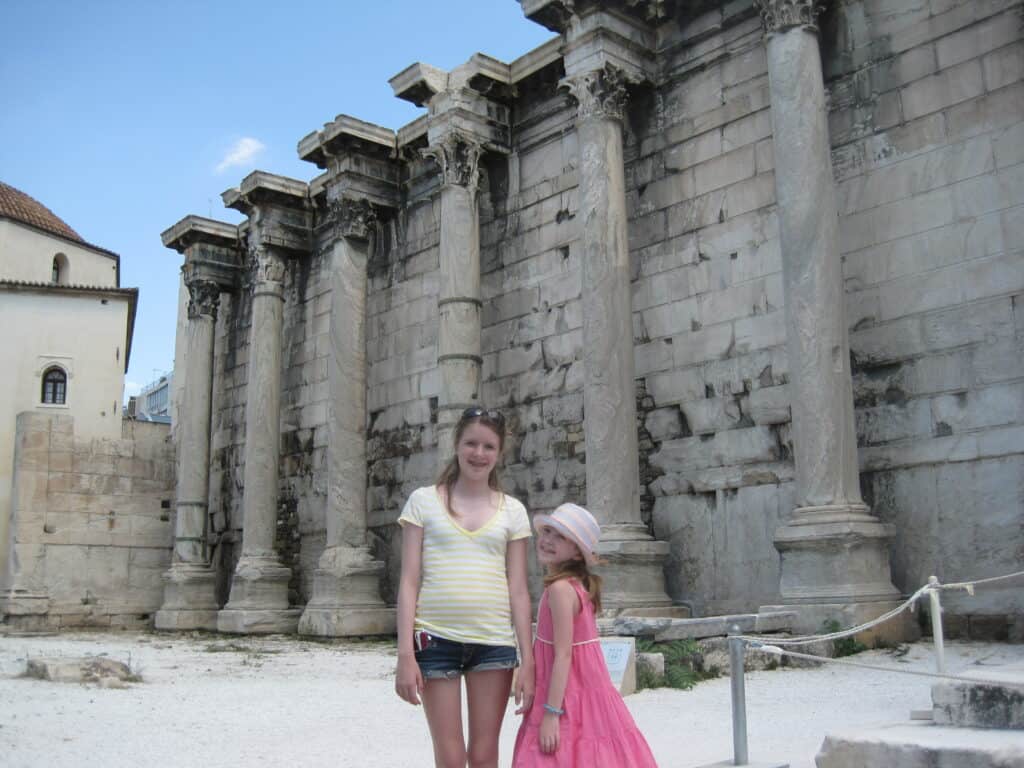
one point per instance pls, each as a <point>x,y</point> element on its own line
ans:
<point>189,599</point>
<point>835,556</point>
<point>346,585</point>
<point>259,589</point>
<point>211,267</point>
<point>634,576</point>
<point>459,297</point>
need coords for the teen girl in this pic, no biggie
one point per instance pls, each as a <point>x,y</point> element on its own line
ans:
<point>578,719</point>
<point>463,601</point>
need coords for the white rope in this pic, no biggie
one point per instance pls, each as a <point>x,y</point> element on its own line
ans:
<point>776,651</point>
<point>968,586</point>
<point>910,602</point>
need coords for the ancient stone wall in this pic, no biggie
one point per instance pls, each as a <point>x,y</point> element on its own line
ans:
<point>92,522</point>
<point>927,127</point>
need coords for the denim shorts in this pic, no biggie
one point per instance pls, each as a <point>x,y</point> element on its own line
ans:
<point>440,658</point>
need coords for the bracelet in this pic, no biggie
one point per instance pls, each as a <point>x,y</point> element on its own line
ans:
<point>553,710</point>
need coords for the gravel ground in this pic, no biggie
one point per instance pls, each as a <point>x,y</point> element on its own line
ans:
<point>215,701</point>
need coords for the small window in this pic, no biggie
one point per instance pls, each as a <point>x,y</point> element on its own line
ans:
<point>55,387</point>
<point>59,272</point>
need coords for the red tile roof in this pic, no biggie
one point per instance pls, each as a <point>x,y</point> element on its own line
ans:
<point>15,204</point>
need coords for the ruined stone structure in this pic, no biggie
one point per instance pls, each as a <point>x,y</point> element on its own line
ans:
<point>745,277</point>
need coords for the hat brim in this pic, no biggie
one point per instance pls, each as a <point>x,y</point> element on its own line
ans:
<point>590,558</point>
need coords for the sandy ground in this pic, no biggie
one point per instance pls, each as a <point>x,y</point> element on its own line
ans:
<point>219,701</point>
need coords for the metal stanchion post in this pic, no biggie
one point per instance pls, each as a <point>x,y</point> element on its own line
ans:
<point>936,611</point>
<point>739,698</point>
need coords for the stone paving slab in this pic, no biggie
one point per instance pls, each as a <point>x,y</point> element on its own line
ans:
<point>919,745</point>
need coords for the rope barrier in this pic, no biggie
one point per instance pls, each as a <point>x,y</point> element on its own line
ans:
<point>776,651</point>
<point>910,603</point>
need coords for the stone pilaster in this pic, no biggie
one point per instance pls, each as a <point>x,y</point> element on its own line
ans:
<point>459,303</point>
<point>362,184</point>
<point>634,575</point>
<point>211,266</point>
<point>835,558</point>
<point>40,440</point>
<point>279,225</point>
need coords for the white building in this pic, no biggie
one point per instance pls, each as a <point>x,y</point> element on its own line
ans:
<point>153,403</point>
<point>67,330</point>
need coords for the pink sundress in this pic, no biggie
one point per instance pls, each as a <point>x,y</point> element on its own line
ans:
<point>597,730</point>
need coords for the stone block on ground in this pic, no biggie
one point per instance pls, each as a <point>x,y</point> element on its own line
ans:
<point>653,664</point>
<point>976,705</point>
<point>87,669</point>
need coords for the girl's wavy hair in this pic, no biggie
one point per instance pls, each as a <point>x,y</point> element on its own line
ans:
<point>495,422</point>
<point>578,569</point>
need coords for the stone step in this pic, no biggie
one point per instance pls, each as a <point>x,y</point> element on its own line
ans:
<point>663,629</point>
<point>917,745</point>
<point>977,705</point>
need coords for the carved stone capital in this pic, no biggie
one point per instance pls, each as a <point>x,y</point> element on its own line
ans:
<point>459,158</point>
<point>599,93</point>
<point>268,266</point>
<point>203,298</point>
<point>353,218</point>
<point>780,15</point>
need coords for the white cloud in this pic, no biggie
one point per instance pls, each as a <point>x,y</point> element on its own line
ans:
<point>131,388</point>
<point>241,152</point>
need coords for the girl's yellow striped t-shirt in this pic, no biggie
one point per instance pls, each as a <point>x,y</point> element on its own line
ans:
<point>464,585</point>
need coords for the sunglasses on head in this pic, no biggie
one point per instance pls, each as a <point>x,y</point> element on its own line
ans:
<point>483,413</point>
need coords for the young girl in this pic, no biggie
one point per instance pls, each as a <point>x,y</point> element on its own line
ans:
<point>578,719</point>
<point>463,601</point>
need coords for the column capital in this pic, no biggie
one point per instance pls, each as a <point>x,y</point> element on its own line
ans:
<point>459,158</point>
<point>355,219</point>
<point>600,93</point>
<point>780,15</point>
<point>268,266</point>
<point>204,296</point>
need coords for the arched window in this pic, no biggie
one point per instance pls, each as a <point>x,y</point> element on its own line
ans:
<point>59,274</point>
<point>55,386</point>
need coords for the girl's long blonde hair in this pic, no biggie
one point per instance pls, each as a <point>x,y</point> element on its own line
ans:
<point>577,569</point>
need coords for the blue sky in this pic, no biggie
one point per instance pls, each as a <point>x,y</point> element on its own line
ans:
<point>123,116</point>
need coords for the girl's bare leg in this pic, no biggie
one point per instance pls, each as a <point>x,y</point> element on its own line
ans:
<point>442,703</point>
<point>487,694</point>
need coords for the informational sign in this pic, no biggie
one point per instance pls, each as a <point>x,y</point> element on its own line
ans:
<point>620,657</point>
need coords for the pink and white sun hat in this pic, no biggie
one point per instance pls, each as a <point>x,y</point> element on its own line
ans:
<point>576,524</point>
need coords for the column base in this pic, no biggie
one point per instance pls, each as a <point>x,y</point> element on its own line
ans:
<point>835,567</point>
<point>633,571</point>
<point>189,599</point>
<point>346,596</point>
<point>258,603</point>
<point>829,559</point>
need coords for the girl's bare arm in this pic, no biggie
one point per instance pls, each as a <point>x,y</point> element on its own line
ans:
<point>522,618</point>
<point>408,680</point>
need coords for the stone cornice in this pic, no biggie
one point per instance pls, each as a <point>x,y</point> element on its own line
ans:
<point>360,158</point>
<point>459,159</point>
<point>196,229</point>
<point>780,15</point>
<point>419,83</point>
<point>279,211</point>
<point>599,94</point>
